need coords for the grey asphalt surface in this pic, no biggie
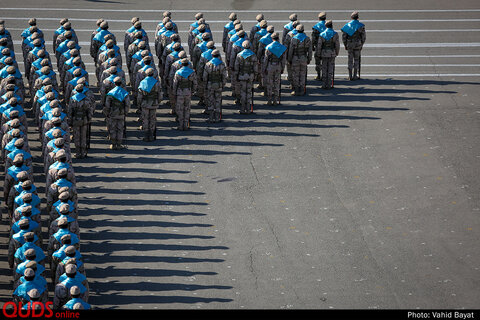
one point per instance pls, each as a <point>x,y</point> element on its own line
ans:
<point>364,197</point>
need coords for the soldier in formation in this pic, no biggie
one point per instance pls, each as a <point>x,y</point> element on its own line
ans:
<point>53,113</point>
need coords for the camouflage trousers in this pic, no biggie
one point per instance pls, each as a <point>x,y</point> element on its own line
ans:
<point>115,128</point>
<point>328,69</point>
<point>235,87</point>
<point>318,66</point>
<point>353,58</point>
<point>289,73</point>
<point>299,73</point>
<point>201,90</point>
<point>149,114</point>
<point>273,81</point>
<point>183,111</point>
<point>80,138</point>
<point>246,87</point>
<point>260,77</point>
<point>213,94</point>
<point>172,98</point>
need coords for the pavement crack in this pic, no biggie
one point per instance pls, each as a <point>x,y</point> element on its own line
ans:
<point>252,269</point>
<point>254,170</point>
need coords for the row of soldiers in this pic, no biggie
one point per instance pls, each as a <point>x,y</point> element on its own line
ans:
<point>26,257</point>
<point>258,57</point>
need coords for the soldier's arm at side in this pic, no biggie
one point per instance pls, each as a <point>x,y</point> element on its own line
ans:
<point>337,45</point>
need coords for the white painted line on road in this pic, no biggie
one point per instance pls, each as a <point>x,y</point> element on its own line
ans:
<point>363,65</point>
<point>251,21</point>
<point>393,75</point>
<point>367,45</point>
<point>237,11</point>
<point>422,45</point>
<point>221,31</point>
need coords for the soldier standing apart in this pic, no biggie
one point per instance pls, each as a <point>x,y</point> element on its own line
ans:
<point>215,79</point>
<point>117,105</point>
<point>246,70</point>
<point>273,65</point>
<point>299,56</point>
<point>184,84</point>
<point>353,38</point>
<point>148,99</point>
<point>328,47</point>
<point>316,30</point>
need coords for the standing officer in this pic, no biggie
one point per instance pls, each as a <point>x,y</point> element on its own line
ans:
<point>184,84</point>
<point>215,78</point>
<point>273,65</point>
<point>299,56</point>
<point>148,99</point>
<point>328,47</point>
<point>246,70</point>
<point>117,105</point>
<point>353,38</point>
<point>318,28</point>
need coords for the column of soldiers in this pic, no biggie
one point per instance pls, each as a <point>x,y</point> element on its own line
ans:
<point>26,256</point>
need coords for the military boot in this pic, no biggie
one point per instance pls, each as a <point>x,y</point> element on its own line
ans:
<point>211,117</point>
<point>218,116</point>
<point>355,74</point>
<point>146,135</point>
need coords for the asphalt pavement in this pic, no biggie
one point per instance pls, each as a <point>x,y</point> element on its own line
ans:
<point>365,196</point>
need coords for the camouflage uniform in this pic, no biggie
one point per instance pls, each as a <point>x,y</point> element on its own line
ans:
<point>98,39</point>
<point>192,27</point>
<point>246,69</point>
<point>235,48</point>
<point>149,98</point>
<point>316,30</point>
<point>199,49</point>
<point>233,37</point>
<point>286,42</point>
<point>131,34</point>
<point>328,47</point>
<point>227,28</point>
<point>256,27</point>
<point>184,84</point>
<point>57,166</point>
<point>274,62</point>
<point>174,67</point>
<point>164,39</point>
<point>62,289</point>
<point>117,105</point>
<point>299,56</point>
<point>215,77</point>
<point>353,38</point>
<point>58,32</point>
<point>262,43</point>
<point>289,26</point>
<point>80,112</point>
